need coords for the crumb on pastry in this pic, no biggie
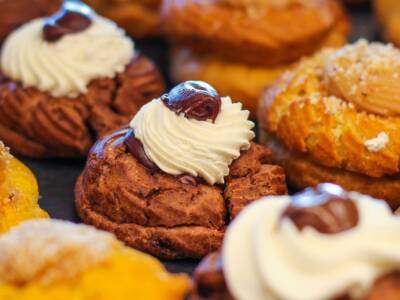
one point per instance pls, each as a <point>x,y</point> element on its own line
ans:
<point>377,143</point>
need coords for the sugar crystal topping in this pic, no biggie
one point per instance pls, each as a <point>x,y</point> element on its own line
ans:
<point>367,75</point>
<point>46,251</point>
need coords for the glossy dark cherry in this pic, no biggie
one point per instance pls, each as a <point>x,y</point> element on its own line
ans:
<point>73,17</point>
<point>195,99</point>
<point>327,208</point>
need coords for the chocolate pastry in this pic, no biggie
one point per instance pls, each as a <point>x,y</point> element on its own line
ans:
<point>265,257</point>
<point>34,124</point>
<point>209,280</point>
<point>78,77</point>
<point>16,12</point>
<point>158,214</point>
<point>166,198</point>
<point>210,283</point>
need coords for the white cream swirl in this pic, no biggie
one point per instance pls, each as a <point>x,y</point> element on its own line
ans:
<point>178,145</point>
<point>67,66</point>
<point>267,261</point>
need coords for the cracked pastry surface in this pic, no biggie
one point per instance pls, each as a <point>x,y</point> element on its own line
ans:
<point>141,19</point>
<point>56,109</point>
<point>339,109</point>
<point>158,214</point>
<point>60,260</point>
<point>322,218</point>
<point>179,206</point>
<point>18,192</point>
<point>223,42</point>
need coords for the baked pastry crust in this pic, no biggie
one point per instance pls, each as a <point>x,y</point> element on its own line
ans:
<point>34,124</point>
<point>209,283</point>
<point>250,46</point>
<point>304,115</point>
<point>302,172</point>
<point>140,19</point>
<point>226,76</point>
<point>254,34</point>
<point>47,260</point>
<point>15,13</point>
<point>388,15</point>
<point>19,193</point>
<point>157,213</point>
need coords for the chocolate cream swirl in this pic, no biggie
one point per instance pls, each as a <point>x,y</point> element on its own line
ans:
<point>268,257</point>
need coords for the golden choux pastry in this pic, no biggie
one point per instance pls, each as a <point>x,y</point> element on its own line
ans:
<point>242,46</point>
<point>18,192</point>
<point>336,118</point>
<point>388,16</point>
<point>50,259</point>
<point>140,18</point>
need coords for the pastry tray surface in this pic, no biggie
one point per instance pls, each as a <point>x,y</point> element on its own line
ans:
<point>57,177</point>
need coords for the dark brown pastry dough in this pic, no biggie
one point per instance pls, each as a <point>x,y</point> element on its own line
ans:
<point>156,212</point>
<point>209,280</point>
<point>34,124</point>
<point>14,13</point>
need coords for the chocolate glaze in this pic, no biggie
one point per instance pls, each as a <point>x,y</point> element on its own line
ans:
<point>135,147</point>
<point>195,99</point>
<point>327,208</point>
<point>72,18</point>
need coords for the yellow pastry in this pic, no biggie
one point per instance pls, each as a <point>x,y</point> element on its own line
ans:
<point>336,118</point>
<point>57,260</point>
<point>18,192</point>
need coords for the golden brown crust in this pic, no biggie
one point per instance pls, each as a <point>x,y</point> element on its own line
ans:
<point>302,172</point>
<point>261,36</point>
<point>242,82</point>
<point>388,15</point>
<point>15,13</point>
<point>34,124</point>
<point>141,19</point>
<point>157,213</point>
<point>307,119</point>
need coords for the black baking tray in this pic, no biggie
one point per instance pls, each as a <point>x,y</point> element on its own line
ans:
<point>57,177</point>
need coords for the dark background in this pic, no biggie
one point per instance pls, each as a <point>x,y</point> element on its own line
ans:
<point>57,177</point>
